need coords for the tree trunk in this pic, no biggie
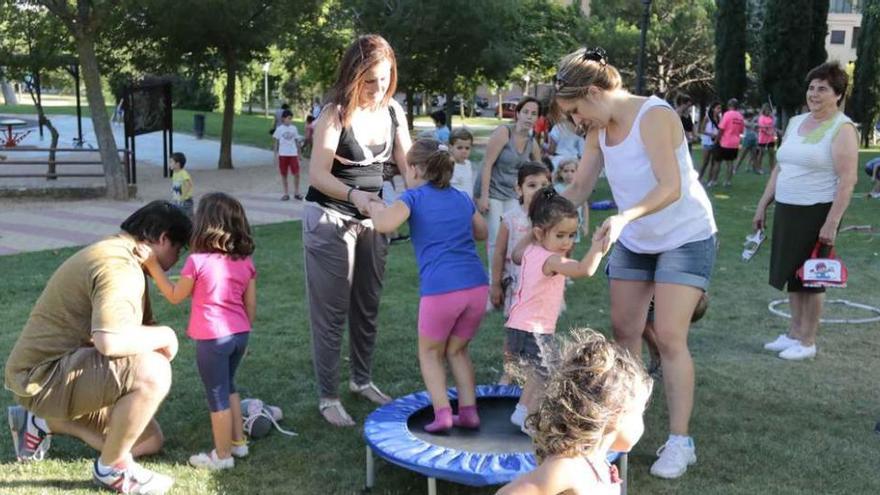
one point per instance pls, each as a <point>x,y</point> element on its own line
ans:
<point>225,162</point>
<point>8,92</point>
<point>450,96</point>
<point>114,176</point>
<point>500,112</point>
<point>44,121</point>
<point>409,109</point>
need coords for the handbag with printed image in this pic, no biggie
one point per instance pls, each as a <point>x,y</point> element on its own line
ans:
<point>823,271</point>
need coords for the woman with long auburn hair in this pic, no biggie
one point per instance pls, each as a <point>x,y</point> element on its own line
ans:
<point>360,130</point>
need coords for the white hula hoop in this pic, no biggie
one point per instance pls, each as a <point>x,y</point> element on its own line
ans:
<point>773,307</point>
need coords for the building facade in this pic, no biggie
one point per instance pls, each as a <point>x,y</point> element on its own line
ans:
<point>844,22</point>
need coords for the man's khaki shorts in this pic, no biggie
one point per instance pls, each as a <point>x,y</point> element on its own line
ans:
<point>83,387</point>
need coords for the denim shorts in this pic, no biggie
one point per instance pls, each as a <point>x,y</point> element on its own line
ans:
<point>689,264</point>
<point>535,351</point>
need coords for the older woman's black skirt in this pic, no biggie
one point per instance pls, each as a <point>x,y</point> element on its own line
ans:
<point>795,233</point>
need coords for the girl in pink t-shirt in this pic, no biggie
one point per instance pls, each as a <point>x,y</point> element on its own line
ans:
<point>220,276</point>
<point>766,137</point>
<point>538,297</point>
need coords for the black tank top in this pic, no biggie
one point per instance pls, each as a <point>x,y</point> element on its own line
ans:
<point>354,167</point>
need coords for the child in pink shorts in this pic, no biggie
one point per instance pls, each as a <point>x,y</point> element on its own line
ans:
<point>453,284</point>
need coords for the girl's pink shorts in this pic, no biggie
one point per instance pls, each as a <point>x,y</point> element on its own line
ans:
<point>457,313</point>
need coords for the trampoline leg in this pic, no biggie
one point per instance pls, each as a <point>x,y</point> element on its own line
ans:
<point>622,465</point>
<point>432,486</point>
<point>371,469</point>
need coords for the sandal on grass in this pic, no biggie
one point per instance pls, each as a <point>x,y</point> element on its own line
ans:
<point>334,413</point>
<point>370,391</point>
<point>753,242</point>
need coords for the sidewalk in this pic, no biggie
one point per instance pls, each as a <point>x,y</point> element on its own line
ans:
<point>36,225</point>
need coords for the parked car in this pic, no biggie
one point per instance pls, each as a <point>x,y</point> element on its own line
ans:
<point>456,107</point>
<point>507,110</point>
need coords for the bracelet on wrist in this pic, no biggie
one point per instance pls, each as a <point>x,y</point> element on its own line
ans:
<point>348,195</point>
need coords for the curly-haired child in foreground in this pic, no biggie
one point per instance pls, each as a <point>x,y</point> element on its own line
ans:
<point>594,404</point>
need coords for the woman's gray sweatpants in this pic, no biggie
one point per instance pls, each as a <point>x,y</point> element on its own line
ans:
<point>345,264</point>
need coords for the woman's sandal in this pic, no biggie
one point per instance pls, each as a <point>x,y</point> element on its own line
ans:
<point>370,391</point>
<point>334,413</point>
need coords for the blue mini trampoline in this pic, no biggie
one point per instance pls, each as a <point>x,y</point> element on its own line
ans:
<point>496,453</point>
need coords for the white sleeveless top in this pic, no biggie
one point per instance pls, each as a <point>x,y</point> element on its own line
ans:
<point>806,167</point>
<point>631,178</point>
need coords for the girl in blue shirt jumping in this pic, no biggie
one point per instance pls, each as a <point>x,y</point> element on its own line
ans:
<point>453,285</point>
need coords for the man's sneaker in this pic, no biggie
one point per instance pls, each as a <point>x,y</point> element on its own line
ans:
<point>798,352</point>
<point>240,451</point>
<point>30,441</point>
<point>673,460</point>
<point>211,461</point>
<point>781,343</point>
<point>134,478</point>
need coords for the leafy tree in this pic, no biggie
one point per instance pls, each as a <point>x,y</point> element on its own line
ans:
<point>863,104</point>
<point>84,21</point>
<point>680,45</point>
<point>445,46</point>
<point>547,31</point>
<point>785,37</point>
<point>816,54</point>
<point>32,42</point>
<point>222,36</point>
<point>755,48</point>
<point>730,49</point>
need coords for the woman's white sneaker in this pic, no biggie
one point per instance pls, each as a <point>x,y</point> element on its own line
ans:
<point>211,461</point>
<point>781,343</point>
<point>798,352</point>
<point>674,459</point>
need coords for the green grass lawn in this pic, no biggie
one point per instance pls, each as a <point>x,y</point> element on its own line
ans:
<point>762,425</point>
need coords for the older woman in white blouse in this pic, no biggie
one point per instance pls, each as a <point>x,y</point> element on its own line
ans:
<point>812,188</point>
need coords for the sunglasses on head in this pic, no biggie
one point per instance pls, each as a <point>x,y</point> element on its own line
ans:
<point>597,55</point>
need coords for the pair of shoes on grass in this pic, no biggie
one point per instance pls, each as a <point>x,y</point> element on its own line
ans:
<point>791,349</point>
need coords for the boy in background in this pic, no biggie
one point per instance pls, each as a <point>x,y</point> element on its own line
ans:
<point>461,141</point>
<point>287,140</point>
<point>181,184</point>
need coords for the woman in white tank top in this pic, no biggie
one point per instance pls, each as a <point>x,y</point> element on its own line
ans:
<point>664,231</point>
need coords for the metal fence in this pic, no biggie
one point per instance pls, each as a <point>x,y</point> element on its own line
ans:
<point>54,167</point>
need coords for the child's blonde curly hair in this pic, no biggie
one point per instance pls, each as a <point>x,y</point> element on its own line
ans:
<point>595,382</point>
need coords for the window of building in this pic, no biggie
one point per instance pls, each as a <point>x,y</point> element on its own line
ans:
<point>838,37</point>
<point>844,7</point>
<point>855,37</point>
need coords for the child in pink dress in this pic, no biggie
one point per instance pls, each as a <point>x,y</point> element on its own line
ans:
<point>539,295</point>
<point>220,276</point>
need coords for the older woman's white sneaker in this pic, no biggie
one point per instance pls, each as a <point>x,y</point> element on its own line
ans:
<point>798,352</point>
<point>781,343</point>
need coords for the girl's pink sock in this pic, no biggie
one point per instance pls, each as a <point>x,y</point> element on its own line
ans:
<point>442,420</point>
<point>467,417</point>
